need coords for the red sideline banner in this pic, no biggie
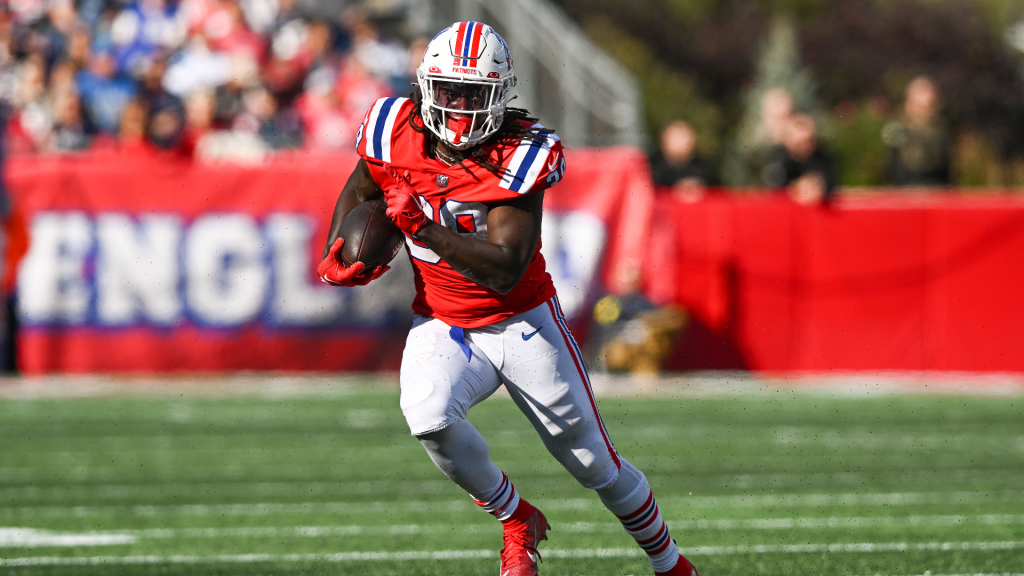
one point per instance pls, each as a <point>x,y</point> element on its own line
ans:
<point>147,265</point>
<point>880,281</point>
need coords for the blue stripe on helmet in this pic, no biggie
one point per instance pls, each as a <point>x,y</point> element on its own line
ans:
<point>467,41</point>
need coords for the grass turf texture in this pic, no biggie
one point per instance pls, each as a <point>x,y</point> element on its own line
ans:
<point>770,482</point>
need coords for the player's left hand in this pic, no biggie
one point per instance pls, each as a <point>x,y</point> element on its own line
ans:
<point>403,207</point>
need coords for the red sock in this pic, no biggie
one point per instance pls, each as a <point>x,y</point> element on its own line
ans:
<point>522,512</point>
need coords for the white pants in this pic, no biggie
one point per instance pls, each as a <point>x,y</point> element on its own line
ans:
<point>533,355</point>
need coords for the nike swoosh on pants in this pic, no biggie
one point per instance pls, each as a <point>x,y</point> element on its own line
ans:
<point>531,334</point>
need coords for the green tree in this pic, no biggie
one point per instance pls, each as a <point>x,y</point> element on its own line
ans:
<point>668,94</point>
<point>779,66</point>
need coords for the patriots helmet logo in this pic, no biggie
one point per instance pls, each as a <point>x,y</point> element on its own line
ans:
<point>442,181</point>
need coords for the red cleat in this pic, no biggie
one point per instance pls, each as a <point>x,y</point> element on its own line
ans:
<point>519,556</point>
<point>682,568</point>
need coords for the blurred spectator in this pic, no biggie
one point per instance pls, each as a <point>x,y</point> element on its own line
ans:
<point>91,11</point>
<point>143,30</point>
<point>328,127</point>
<point>631,333</point>
<point>104,91</point>
<point>262,117</point>
<point>356,89</point>
<point>166,124</point>
<point>677,164</point>
<point>417,49</point>
<point>776,110</point>
<point>60,22</point>
<point>131,135</point>
<point>799,163</point>
<point>759,133</point>
<point>198,120</point>
<point>27,11</point>
<point>211,79</point>
<point>69,132</point>
<point>227,31</point>
<point>78,47</point>
<point>918,142</point>
<point>228,102</point>
<point>30,127</point>
<point>291,54</point>
<point>196,67</point>
<point>167,112</point>
<point>385,60</point>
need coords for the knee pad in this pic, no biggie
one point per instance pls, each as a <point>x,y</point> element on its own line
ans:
<point>629,485</point>
<point>427,402</point>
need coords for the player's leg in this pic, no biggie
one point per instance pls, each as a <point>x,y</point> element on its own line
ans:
<point>444,375</point>
<point>546,377</point>
<point>630,498</point>
<point>461,453</point>
<point>441,378</point>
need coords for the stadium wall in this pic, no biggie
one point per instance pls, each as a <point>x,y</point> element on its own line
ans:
<point>151,265</point>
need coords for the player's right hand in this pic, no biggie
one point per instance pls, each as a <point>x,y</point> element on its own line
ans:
<point>332,271</point>
<point>403,208</point>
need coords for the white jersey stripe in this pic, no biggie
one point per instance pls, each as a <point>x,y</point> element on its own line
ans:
<point>513,167</point>
<point>527,162</point>
<point>368,132</point>
<point>535,167</point>
<point>380,126</point>
<point>389,126</point>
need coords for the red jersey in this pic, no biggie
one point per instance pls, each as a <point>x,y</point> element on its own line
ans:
<point>456,199</point>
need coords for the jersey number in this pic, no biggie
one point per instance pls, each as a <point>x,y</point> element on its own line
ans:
<point>465,218</point>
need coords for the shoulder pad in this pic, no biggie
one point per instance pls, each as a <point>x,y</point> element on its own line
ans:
<point>531,159</point>
<point>373,140</point>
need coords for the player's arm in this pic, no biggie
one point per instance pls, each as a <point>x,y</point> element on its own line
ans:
<point>513,231</point>
<point>359,188</point>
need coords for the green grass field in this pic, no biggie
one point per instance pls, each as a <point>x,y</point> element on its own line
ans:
<point>328,481</point>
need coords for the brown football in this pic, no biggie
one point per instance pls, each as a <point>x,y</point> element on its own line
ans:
<point>370,236</point>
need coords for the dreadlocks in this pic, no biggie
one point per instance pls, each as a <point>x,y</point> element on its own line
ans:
<point>516,126</point>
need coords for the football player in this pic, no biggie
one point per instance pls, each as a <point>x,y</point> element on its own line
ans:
<point>464,177</point>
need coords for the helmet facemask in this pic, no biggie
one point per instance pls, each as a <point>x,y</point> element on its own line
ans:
<point>463,113</point>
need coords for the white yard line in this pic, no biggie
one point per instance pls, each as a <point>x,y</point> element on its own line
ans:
<point>574,527</point>
<point>848,522</point>
<point>686,502</point>
<point>31,538</point>
<point>866,547</point>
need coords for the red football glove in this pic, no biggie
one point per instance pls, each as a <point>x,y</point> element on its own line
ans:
<point>403,207</point>
<point>332,271</point>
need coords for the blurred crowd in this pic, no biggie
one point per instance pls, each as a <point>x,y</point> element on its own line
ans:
<point>235,79</point>
<point>207,79</point>
<point>788,155</point>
